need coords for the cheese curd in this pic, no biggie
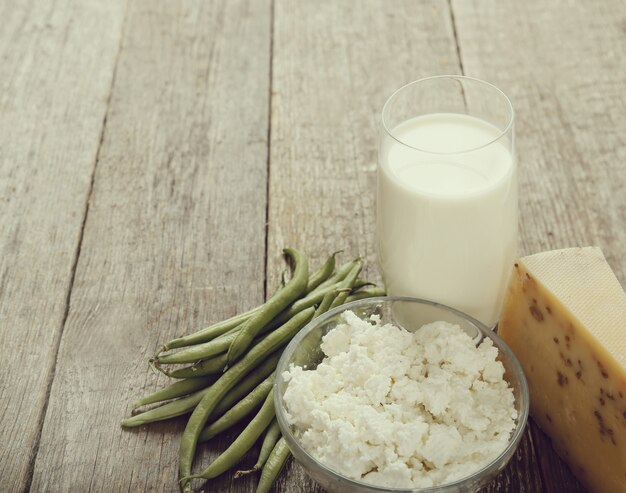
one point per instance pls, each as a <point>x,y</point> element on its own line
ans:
<point>400,409</point>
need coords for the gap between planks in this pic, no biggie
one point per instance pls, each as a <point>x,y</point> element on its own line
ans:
<point>457,45</point>
<point>269,148</point>
<point>456,40</point>
<point>68,295</point>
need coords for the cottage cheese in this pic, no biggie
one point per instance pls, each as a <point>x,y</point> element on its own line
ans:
<point>400,409</point>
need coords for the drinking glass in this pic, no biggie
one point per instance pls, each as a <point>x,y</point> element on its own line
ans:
<point>447,194</point>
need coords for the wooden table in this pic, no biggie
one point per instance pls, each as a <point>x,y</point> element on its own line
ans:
<point>156,156</point>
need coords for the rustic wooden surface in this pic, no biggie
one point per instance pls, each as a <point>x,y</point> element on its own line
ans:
<point>155,157</point>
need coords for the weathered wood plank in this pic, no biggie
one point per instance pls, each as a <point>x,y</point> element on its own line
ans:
<point>560,63</point>
<point>56,64</point>
<point>334,66</point>
<point>174,237</point>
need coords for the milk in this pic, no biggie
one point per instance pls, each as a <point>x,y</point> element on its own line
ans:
<point>447,217</point>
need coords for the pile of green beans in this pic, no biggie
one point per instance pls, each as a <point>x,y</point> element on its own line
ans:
<point>224,373</point>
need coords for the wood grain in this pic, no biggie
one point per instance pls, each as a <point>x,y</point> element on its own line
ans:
<point>333,68</point>
<point>169,102</point>
<point>562,64</point>
<point>174,237</point>
<point>51,118</point>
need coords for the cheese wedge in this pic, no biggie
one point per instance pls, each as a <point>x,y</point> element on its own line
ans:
<point>564,316</point>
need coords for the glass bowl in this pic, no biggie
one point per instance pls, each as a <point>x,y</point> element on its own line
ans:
<point>409,313</point>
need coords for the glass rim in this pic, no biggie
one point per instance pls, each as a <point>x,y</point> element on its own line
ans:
<point>502,133</point>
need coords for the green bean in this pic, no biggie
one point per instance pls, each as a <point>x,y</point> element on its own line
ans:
<point>338,276</point>
<point>239,411</point>
<point>346,285</point>
<point>199,352</point>
<point>294,288</point>
<point>361,283</point>
<point>233,323</point>
<point>242,443</point>
<point>176,389</point>
<point>208,349</point>
<point>272,467</point>
<point>210,332</point>
<point>188,403</point>
<point>322,274</point>
<point>229,379</point>
<point>201,368</point>
<point>326,302</point>
<point>244,387</point>
<point>219,328</point>
<point>272,435</point>
<point>306,302</point>
<point>310,300</point>
<point>366,293</point>
<point>205,367</point>
<point>166,411</point>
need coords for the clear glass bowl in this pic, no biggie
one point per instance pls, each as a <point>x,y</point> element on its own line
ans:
<point>410,313</point>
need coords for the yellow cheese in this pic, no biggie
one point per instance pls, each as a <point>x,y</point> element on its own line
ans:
<point>565,318</point>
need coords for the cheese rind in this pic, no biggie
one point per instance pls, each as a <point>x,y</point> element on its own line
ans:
<point>565,318</point>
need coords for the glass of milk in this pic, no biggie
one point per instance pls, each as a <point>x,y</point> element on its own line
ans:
<point>447,194</point>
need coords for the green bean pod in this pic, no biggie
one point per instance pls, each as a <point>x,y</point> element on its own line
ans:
<point>174,390</point>
<point>227,326</point>
<point>210,332</point>
<point>272,467</point>
<point>230,378</point>
<point>188,403</point>
<point>366,293</point>
<point>242,443</point>
<point>310,300</point>
<point>210,366</point>
<point>166,411</point>
<point>346,285</point>
<point>199,352</point>
<point>243,388</point>
<point>322,274</point>
<point>272,435</point>
<point>239,411</point>
<point>203,368</point>
<point>218,328</point>
<point>337,277</point>
<point>294,288</point>
<point>326,302</point>
<point>362,283</point>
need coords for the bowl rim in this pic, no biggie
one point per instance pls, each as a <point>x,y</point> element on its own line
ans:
<point>489,468</point>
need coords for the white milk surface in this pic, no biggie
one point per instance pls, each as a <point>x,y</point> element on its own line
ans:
<point>447,217</point>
